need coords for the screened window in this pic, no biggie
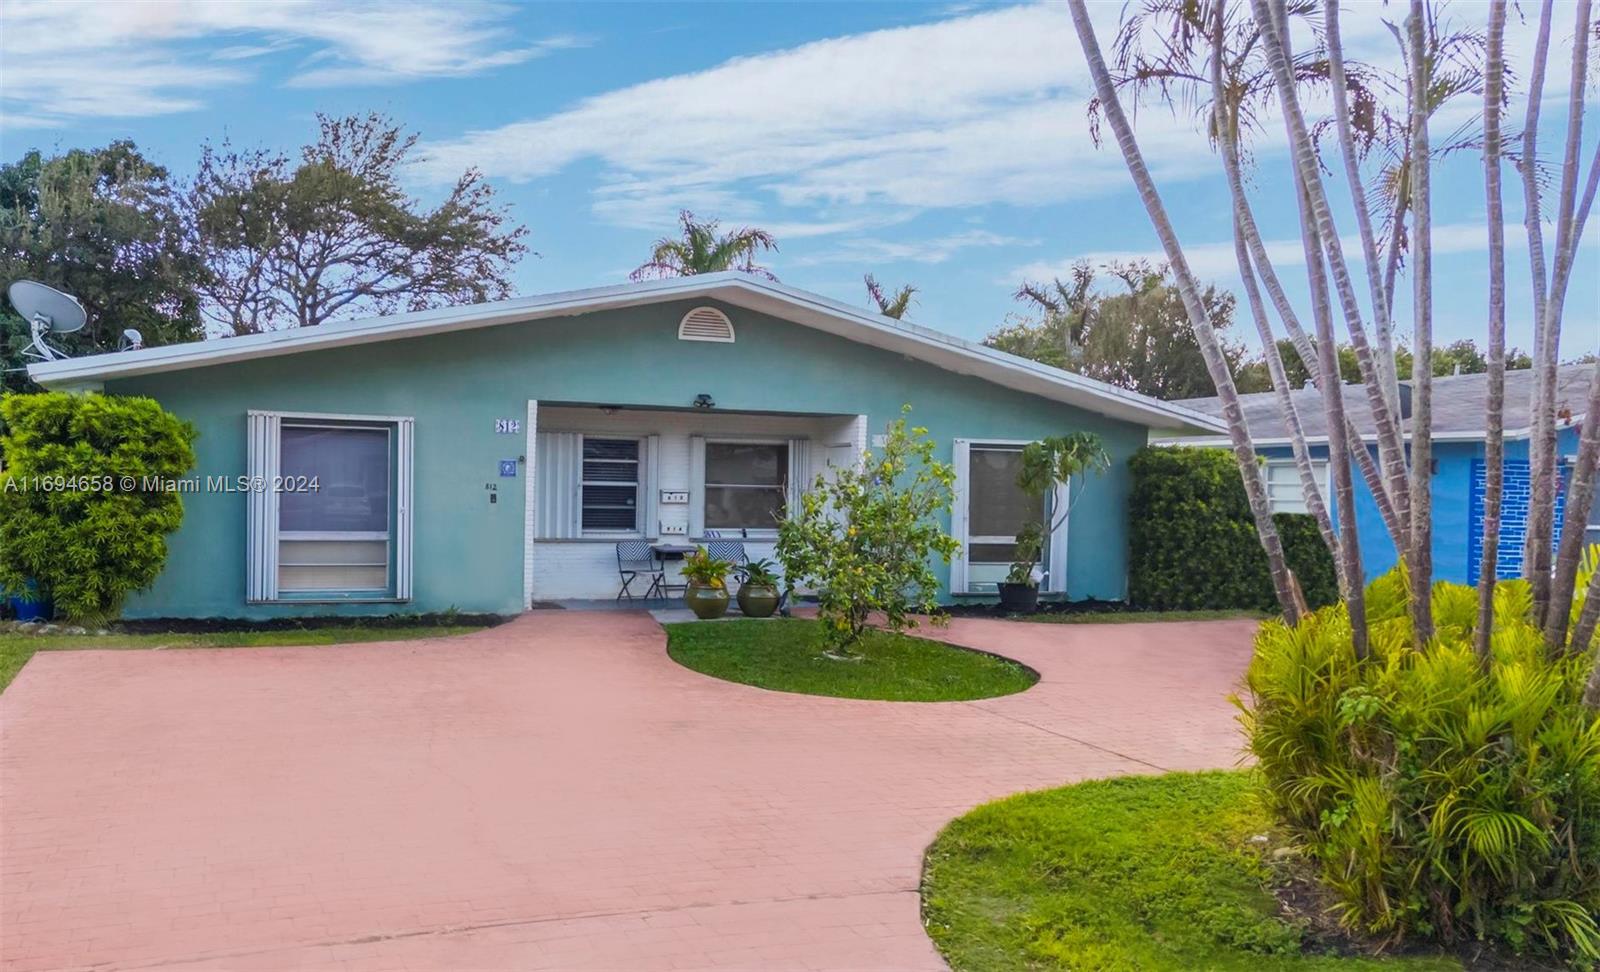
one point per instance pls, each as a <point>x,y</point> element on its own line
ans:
<point>335,516</point>
<point>997,508</point>
<point>745,485</point>
<point>610,485</point>
<point>1283,485</point>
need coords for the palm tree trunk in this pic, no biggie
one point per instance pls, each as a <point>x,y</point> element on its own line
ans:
<point>1275,46</point>
<point>1568,232</point>
<point>1382,325</point>
<point>1376,487</point>
<point>1239,434</point>
<point>1420,562</point>
<point>1494,436</point>
<point>1580,499</point>
<point>1309,487</point>
<point>1227,132</point>
<point>1583,637</point>
<point>1537,535</point>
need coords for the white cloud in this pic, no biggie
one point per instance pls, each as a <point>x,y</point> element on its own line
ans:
<point>938,249</point>
<point>1216,260</point>
<point>136,58</point>
<point>971,110</point>
<point>966,111</point>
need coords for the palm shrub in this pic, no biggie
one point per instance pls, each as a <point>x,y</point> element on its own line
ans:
<point>1439,795</point>
<point>80,512</point>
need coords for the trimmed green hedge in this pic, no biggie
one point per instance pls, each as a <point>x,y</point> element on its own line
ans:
<point>1194,543</point>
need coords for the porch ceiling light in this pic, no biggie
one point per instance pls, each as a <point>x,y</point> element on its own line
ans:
<point>703,400</point>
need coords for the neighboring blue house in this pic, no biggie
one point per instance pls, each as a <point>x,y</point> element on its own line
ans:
<point>490,456</point>
<point>1460,405</point>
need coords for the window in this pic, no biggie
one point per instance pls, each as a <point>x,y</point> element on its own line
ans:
<point>1283,485</point>
<point>610,485</point>
<point>997,508</point>
<point>745,485</point>
<point>334,516</point>
<point>332,519</point>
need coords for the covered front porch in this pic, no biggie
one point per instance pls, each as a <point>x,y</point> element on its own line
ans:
<point>603,474</point>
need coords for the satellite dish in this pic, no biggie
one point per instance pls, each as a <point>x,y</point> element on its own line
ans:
<point>49,311</point>
<point>131,340</point>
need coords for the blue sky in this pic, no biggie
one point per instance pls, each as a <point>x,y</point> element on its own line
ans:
<point>940,145</point>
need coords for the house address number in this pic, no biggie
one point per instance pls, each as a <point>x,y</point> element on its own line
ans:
<point>674,496</point>
<point>507,426</point>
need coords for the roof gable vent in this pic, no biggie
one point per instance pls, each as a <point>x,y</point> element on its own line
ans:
<point>706,324</point>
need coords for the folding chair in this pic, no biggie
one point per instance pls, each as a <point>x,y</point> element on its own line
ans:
<point>635,557</point>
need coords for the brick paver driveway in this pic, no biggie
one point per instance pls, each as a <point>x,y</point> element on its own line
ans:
<point>554,793</point>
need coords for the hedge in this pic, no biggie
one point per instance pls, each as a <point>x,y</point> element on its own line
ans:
<point>1194,543</point>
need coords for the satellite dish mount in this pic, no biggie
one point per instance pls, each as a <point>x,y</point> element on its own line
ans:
<point>49,312</point>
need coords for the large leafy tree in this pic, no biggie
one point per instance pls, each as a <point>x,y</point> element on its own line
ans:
<point>296,242</point>
<point>1137,337</point>
<point>103,225</point>
<point>700,247</point>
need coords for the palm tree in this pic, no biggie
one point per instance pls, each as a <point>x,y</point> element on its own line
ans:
<point>1419,561</point>
<point>1070,303</point>
<point>700,249</point>
<point>1570,218</point>
<point>895,305</point>
<point>1494,437</point>
<point>1283,582</point>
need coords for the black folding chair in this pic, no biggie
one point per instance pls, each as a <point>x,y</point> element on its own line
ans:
<point>635,557</point>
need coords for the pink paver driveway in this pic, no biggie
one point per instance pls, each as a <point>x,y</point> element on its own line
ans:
<point>555,793</point>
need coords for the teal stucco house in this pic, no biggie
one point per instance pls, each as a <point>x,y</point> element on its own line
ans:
<point>488,457</point>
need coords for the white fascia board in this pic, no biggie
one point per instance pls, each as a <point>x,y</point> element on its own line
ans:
<point>1455,436</point>
<point>808,309</point>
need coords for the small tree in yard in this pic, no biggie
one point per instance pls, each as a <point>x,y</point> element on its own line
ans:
<point>77,516</point>
<point>866,537</point>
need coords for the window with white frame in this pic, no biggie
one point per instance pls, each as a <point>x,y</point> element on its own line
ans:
<point>997,508</point>
<point>330,515</point>
<point>745,485</point>
<point>1283,484</point>
<point>611,477</point>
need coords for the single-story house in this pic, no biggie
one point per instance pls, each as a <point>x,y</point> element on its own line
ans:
<point>489,456</point>
<point>1460,409</point>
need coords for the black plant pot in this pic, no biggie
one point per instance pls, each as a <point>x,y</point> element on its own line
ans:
<point>1019,598</point>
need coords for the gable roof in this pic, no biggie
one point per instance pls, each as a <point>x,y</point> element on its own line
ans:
<point>733,288</point>
<point>1460,407</point>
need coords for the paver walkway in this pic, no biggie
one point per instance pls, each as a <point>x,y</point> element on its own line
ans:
<point>555,793</point>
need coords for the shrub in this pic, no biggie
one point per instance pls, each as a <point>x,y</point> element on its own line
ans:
<point>865,537</point>
<point>1193,542</point>
<point>1438,795</point>
<point>68,518</point>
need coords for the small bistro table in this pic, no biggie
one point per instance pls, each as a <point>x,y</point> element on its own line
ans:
<point>665,551</point>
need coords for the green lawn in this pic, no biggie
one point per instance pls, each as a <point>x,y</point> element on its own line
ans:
<point>787,655</point>
<point>1138,873</point>
<point>1137,617</point>
<point>16,649</point>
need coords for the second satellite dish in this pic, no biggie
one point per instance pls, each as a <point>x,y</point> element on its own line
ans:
<point>49,311</point>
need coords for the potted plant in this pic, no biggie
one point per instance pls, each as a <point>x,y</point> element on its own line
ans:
<point>1019,592</point>
<point>758,589</point>
<point>1049,467</point>
<point>707,579</point>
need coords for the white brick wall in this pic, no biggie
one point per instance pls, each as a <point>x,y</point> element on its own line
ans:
<point>564,569</point>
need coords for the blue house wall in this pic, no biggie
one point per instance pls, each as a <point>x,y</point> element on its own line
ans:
<point>1458,499</point>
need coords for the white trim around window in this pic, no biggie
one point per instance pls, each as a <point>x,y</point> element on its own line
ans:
<point>795,451</point>
<point>327,564</point>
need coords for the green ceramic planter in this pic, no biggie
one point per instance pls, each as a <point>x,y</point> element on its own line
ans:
<point>706,602</point>
<point>757,601</point>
